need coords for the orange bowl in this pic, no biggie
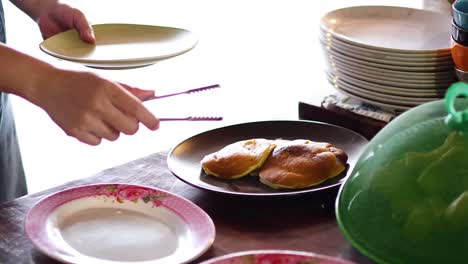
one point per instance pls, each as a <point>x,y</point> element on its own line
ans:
<point>460,55</point>
<point>462,75</point>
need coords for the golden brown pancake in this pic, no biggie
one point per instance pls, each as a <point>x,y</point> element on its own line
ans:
<point>237,159</point>
<point>302,163</point>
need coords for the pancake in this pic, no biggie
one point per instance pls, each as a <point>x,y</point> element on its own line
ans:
<point>238,159</point>
<point>301,164</point>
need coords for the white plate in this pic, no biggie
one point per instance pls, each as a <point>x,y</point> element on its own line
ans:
<point>385,55</point>
<point>363,56</point>
<point>379,87</point>
<point>119,65</point>
<point>383,65</point>
<point>121,43</point>
<point>276,257</point>
<point>387,79</point>
<point>448,74</point>
<point>115,223</point>
<point>391,90</point>
<point>382,96</point>
<point>398,83</point>
<point>390,28</point>
<point>383,105</point>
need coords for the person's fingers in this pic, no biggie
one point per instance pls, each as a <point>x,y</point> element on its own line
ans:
<point>121,121</point>
<point>131,106</point>
<point>146,117</point>
<point>140,93</point>
<point>48,29</point>
<point>88,138</point>
<point>138,110</point>
<point>84,28</point>
<point>103,130</point>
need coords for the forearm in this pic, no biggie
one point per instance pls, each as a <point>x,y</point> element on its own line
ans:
<point>23,75</point>
<point>33,8</point>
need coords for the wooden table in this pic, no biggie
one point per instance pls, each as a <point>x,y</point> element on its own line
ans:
<point>305,223</point>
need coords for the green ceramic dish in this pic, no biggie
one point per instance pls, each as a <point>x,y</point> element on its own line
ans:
<point>406,201</point>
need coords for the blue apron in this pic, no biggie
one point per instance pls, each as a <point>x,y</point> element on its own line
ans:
<point>12,179</point>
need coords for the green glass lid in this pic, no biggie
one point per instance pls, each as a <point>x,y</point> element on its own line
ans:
<point>406,200</point>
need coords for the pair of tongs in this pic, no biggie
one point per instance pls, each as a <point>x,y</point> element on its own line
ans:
<point>188,118</point>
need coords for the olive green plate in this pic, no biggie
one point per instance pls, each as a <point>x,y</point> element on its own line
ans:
<point>121,44</point>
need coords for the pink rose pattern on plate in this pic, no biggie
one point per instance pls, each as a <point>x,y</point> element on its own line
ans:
<point>276,257</point>
<point>284,259</point>
<point>132,193</point>
<point>271,259</point>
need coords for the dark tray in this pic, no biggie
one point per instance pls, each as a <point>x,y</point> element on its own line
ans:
<point>365,126</point>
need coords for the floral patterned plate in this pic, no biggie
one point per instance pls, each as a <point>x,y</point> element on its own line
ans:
<point>276,257</point>
<point>117,223</point>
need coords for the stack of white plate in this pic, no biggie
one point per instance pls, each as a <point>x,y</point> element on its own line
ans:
<point>392,57</point>
<point>121,46</point>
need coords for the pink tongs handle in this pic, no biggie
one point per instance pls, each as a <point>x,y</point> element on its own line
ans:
<point>184,92</point>
<point>192,118</point>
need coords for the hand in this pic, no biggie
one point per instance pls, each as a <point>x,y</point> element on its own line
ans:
<point>140,93</point>
<point>91,108</point>
<point>61,17</point>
